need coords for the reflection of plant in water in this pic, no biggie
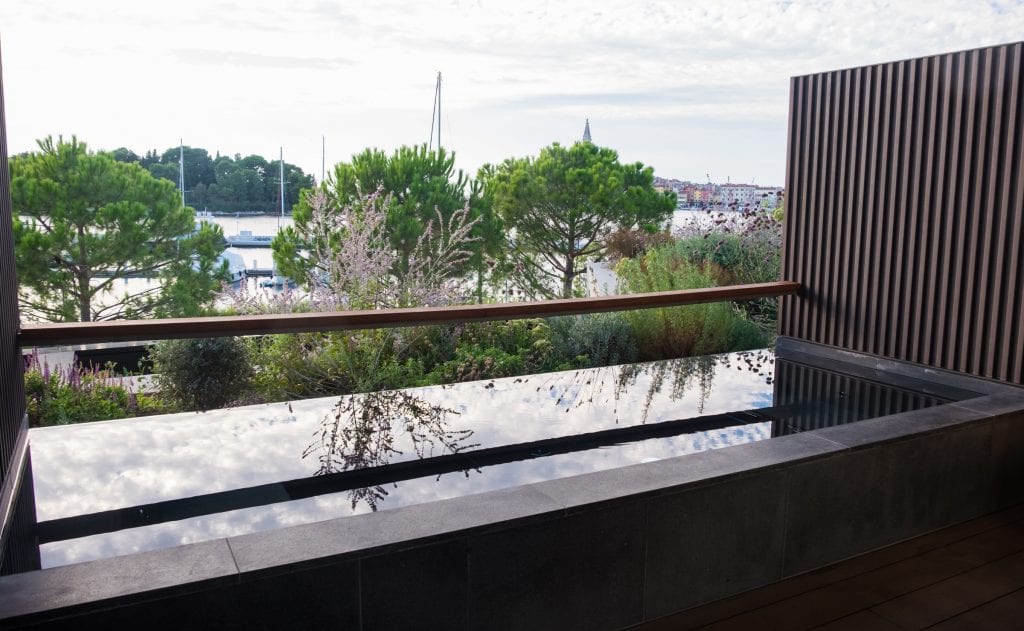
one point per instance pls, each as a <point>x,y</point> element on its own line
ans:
<point>683,374</point>
<point>360,433</point>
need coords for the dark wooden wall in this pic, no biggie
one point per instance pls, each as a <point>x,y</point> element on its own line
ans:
<point>12,395</point>
<point>904,211</point>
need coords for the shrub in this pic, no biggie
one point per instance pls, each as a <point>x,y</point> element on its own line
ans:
<point>75,394</point>
<point>738,249</point>
<point>487,350</point>
<point>596,339</point>
<point>682,331</point>
<point>626,243</point>
<point>324,364</point>
<point>202,374</point>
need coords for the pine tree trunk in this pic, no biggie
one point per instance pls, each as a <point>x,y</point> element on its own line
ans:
<point>567,276</point>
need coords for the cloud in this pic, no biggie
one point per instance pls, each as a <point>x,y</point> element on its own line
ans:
<point>239,58</point>
<point>654,61</point>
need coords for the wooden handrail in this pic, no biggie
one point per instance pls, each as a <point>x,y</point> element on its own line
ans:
<point>57,334</point>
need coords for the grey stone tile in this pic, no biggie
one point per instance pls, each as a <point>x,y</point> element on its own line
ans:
<point>996,404</point>
<point>718,465</point>
<point>136,576</point>
<point>884,369</point>
<point>867,498</point>
<point>669,476</point>
<point>422,588</point>
<point>403,527</point>
<point>899,426</point>
<point>711,542</point>
<point>581,572</point>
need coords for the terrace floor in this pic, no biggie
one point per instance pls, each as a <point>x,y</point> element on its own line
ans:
<point>968,576</point>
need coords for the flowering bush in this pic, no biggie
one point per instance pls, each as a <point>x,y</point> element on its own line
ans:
<point>75,394</point>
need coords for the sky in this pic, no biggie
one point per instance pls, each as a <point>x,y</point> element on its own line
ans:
<point>694,89</point>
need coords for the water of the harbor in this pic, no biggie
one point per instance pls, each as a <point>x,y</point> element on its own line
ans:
<point>254,258</point>
<point>601,278</point>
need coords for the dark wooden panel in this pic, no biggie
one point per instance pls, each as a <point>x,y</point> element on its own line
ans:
<point>904,212</point>
<point>12,396</point>
<point>12,393</point>
<point>122,330</point>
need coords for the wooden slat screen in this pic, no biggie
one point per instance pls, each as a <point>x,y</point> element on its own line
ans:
<point>904,211</point>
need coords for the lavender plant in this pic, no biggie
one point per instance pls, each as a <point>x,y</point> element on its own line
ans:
<point>353,265</point>
<point>76,394</point>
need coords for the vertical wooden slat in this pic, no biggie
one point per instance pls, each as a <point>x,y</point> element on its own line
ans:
<point>893,257</point>
<point>922,207</point>
<point>869,266</point>
<point>826,260</point>
<point>1013,355</point>
<point>785,303</point>
<point>815,220</point>
<point>934,194</point>
<point>909,210</point>
<point>906,189</point>
<point>956,86</point>
<point>977,244</point>
<point>853,313</point>
<point>847,131</point>
<point>991,254</point>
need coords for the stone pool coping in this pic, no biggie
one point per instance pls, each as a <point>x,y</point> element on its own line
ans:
<point>604,549</point>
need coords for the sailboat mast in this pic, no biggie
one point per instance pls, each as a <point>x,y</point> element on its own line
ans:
<point>281,160</point>
<point>435,114</point>
<point>181,169</point>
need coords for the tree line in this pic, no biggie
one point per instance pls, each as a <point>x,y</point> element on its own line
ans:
<point>529,222</point>
<point>224,184</point>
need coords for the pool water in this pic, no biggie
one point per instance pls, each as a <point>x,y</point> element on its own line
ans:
<point>118,487</point>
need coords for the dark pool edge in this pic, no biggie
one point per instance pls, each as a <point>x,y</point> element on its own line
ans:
<point>870,366</point>
<point>673,533</point>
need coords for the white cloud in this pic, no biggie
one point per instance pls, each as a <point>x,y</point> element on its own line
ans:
<point>249,77</point>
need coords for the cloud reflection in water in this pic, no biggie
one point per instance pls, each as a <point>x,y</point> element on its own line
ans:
<point>100,466</point>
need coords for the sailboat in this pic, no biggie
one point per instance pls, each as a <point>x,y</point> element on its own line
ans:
<point>278,279</point>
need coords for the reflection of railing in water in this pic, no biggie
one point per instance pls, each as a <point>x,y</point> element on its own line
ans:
<point>821,398</point>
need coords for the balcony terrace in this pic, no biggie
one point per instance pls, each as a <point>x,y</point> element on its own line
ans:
<point>895,415</point>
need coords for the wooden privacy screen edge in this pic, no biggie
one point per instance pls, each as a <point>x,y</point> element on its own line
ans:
<point>176,328</point>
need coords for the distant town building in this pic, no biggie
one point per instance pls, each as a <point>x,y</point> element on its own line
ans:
<point>709,194</point>
<point>586,132</point>
<point>737,195</point>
